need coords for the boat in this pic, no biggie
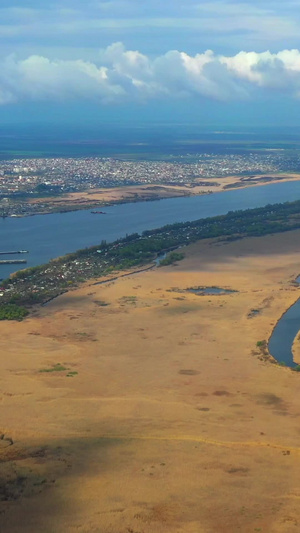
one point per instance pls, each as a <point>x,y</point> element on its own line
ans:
<point>98,213</point>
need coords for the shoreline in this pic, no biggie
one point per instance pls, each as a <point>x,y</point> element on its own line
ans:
<point>181,192</point>
<point>292,346</point>
<point>136,250</point>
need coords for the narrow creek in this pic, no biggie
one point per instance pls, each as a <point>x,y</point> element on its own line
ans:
<point>284,333</point>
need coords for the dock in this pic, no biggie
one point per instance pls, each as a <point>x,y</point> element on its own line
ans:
<point>12,261</point>
<point>14,252</point>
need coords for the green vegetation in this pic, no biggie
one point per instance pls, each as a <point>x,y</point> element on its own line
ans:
<point>171,258</point>
<point>11,311</point>
<point>58,367</point>
<point>261,344</point>
<point>263,351</point>
<point>296,368</point>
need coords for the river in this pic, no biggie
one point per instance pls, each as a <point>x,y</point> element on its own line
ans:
<point>284,333</point>
<point>49,236</point>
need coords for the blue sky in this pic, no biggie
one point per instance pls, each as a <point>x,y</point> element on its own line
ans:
<point>220,62</point>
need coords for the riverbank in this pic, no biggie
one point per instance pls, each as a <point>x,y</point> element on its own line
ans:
<point>39,284</point>
<point>137,406</point>
<point>296,349</point>
<point>38,235</point>
<point>105,197</point>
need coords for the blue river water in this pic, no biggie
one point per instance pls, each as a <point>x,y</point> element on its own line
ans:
<point>284,333</point>
<point>49,236</point>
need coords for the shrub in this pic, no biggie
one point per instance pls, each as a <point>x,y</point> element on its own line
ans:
<point>171,258</point>
<point>261,344</point>
<point>12,312</point>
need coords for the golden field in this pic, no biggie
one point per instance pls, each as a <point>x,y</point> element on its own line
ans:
<point>166,419</point>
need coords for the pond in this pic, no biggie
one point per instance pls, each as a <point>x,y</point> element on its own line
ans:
<point>210,290</point>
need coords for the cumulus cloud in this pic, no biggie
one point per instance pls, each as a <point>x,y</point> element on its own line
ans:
<point>127,75</point>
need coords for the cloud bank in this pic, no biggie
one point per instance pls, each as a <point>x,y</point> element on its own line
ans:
<point>124,75</point>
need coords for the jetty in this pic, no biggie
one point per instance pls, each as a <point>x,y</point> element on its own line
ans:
<point>14,252</point>
<point>12,261</point>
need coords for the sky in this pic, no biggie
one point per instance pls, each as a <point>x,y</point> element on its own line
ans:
<point>219,64</point>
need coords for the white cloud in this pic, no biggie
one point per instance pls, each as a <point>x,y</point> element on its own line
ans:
<point>130,75</point>
<point>267,70</point>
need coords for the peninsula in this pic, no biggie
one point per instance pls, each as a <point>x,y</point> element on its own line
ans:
<point>138,405</point>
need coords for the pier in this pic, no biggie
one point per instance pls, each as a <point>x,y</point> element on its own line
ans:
<point>14,252</point>
<point>12,261</point>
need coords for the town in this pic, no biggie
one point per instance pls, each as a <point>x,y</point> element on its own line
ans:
<point>22,180</point>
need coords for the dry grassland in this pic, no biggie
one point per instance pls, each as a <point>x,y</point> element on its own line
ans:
<point>165,420</point>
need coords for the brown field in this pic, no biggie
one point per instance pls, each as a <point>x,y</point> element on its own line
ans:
<point>173,423</point>
<point>81,200</point>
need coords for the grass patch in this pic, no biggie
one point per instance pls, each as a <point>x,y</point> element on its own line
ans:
<point>58,367</point>
<point>72,374</point>
<point>128,299</point>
